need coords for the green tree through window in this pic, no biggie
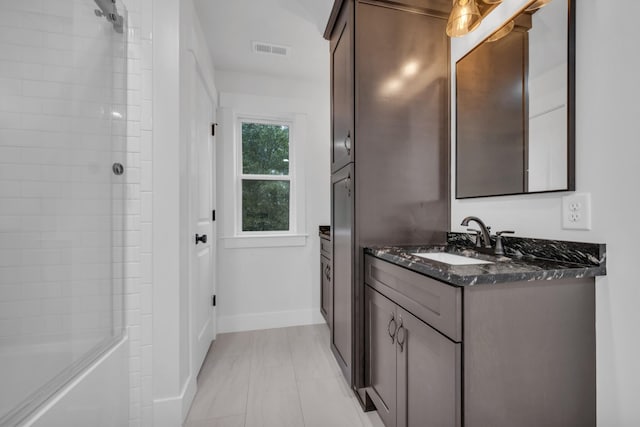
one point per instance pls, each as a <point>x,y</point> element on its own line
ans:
<point>266,184</point>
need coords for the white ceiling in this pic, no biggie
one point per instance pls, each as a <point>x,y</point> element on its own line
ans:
<point>230,27</point>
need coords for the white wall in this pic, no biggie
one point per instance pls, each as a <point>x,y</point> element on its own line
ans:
<point>276,286</point>
<point>177,36</point>
<point>607,153</point>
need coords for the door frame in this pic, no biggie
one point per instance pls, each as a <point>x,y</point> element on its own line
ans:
<point>196,71</point>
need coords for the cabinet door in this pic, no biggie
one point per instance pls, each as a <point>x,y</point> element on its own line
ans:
<point>342,89</point>
<point>326,290</point>
<point>402,124</point>
<point>342,260</point>
<point>428,375</point>
<point>380,354</point>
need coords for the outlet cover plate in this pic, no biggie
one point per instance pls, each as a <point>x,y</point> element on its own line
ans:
<point>576,211</point>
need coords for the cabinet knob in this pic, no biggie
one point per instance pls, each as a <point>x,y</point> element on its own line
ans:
<point>201,239</point>
<point>347,143</point>
<point>327,272</point>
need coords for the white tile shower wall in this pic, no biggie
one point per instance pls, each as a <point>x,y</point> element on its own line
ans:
<point>55,191</point>
<point>50,129</point>
<point>57,83</point>
<point>139,170</point>
<point>55,142</point>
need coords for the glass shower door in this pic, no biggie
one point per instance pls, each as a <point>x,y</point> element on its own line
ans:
<point>63,93</point>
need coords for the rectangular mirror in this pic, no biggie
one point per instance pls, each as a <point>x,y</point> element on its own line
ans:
<point>515,117</point>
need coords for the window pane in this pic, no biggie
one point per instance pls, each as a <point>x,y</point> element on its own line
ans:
<point>265,149</point>
<point>265,205</point>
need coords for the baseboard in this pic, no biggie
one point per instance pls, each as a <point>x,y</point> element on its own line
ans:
<point>188,393</point>
<point>172,411</point>
<point>269,320</point>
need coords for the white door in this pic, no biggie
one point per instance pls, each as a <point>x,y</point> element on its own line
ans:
<point>202,205</point>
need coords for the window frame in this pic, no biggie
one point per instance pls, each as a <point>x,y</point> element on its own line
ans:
<point>240,176</point>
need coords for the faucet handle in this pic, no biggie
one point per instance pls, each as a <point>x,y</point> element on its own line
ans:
<point>499,249</point>
<point>478,234</point>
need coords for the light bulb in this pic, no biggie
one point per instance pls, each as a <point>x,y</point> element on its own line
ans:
<point>502,32</point>
<point>465,17</point>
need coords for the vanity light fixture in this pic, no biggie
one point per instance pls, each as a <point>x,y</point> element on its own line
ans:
<point>464,18</point>
<point>537,5</point>
<point>502,32</point>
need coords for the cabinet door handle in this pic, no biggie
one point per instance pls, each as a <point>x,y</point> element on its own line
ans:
<point>400,340</point>
<point>347,185</point>
<point>347,143</point>
<point>392,334</point>
<point>200,239</point>
<point>327,272</point>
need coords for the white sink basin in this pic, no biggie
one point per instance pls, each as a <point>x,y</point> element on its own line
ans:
<point>450,259</point>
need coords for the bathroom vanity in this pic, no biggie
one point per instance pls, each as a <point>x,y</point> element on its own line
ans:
<point>496,341</point>
<point>326,288</point>
<point>448,335</point>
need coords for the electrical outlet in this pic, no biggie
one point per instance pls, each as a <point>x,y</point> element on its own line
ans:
<point>576,211</point>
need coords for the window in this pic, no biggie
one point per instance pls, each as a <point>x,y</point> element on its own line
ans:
<point>265,177</point>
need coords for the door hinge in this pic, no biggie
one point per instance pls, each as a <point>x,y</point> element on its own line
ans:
<point>213,129</point>
<point>213,215</point>
<point>213,300</point>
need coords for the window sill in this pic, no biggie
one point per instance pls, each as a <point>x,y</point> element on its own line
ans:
<point>275,241</point>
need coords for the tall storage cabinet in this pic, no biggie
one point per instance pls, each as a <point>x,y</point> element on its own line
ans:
<point>389,146</point>
<point>342,90</point>
<point>342,227</point>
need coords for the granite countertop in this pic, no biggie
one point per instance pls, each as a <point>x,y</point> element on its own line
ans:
<point>525,260</point>
<point>325,231</point>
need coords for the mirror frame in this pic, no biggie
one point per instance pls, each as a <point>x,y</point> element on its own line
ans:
<point>571,101</point>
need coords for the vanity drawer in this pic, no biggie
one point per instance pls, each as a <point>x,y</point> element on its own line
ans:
<point>433,302</point>
<point>325,247</point>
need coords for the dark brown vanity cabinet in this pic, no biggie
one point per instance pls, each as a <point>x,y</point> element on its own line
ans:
<point>428,379</point>
<point>326,288</point>
<point>342,226</point>
<point>413,371</point>
<point>381,326</point>
<point>389,146</point>
<point>528,359</point>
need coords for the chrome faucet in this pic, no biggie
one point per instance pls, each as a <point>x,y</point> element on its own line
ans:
<point>484,230</point>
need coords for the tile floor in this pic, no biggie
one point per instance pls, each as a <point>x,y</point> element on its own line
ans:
<point>275,378</point>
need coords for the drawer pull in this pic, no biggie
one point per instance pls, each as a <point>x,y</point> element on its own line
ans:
<point>392,334</point>
<point>400,340</point>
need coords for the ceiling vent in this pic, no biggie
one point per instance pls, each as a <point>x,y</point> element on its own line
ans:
<point>270,49</point>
